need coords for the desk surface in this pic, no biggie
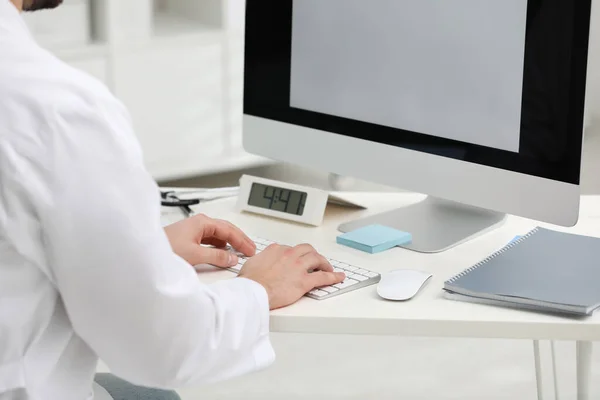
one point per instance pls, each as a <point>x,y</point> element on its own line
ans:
<point>428,314</point>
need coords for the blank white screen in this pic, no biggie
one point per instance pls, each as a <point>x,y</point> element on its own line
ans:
<point>451,69</point>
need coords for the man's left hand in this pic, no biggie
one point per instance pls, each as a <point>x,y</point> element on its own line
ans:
<point>187,236</point>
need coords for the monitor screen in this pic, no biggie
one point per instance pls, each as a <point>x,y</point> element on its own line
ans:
<point>452,69</point>
<point>493,82</point>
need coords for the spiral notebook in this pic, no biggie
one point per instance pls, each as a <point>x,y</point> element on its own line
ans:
<point>544,270</point>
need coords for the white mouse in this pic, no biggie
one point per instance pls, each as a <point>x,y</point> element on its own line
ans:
<point>402,284</point>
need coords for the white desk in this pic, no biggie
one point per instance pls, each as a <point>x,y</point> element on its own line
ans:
<point>429,314</point>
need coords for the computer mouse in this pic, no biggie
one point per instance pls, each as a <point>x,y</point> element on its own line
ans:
<point>402,284</point>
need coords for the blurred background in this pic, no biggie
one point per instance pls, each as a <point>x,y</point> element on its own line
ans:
<point>178,66</point>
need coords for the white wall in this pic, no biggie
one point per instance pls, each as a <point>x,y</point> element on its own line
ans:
<point>176,64</point>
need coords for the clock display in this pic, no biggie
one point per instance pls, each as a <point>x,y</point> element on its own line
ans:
<point>277,199</point>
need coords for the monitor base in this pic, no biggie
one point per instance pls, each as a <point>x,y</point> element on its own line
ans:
<point>436,225</point>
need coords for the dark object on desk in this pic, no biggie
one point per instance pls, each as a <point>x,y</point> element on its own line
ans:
<point>170,199</point>
<point>545,270</point>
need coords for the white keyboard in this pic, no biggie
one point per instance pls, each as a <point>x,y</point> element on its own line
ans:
<point>356,277</point>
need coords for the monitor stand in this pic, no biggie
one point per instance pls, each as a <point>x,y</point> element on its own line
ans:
<point>435,225</point>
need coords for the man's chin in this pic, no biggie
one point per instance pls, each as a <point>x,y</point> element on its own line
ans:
<point>34,5</point>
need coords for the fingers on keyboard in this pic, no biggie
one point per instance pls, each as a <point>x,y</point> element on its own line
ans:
<point>354,275</point>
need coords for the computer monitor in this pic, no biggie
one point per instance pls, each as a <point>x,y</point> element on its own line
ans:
<point>477,104</point>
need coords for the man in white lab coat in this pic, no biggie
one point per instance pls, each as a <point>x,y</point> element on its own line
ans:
<point>86,269</point>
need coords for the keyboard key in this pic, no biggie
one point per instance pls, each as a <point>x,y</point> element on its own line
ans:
<point>350,268</point>
<point>237,268</point>
<point>347,283</point>
<point>329,289</point>
<point>318,293</point>
<point>336,269</point>
<point>352,275</point>
<point>371,274</point>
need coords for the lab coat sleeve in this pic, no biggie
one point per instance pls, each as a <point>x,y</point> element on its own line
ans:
<point>139,306</point>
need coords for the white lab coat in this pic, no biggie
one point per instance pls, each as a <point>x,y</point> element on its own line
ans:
<point>86,270</point>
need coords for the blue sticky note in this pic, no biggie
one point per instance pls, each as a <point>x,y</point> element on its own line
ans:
<point>374,238</point>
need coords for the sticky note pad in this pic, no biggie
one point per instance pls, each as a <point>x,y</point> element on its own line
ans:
<point>374,238</point>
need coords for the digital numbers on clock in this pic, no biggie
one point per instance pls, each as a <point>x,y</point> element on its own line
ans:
<point>277,199</point>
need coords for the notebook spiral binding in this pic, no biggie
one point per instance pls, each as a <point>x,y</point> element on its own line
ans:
<point>496,254</point>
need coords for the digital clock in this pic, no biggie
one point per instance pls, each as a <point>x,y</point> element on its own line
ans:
<point>285,200</point>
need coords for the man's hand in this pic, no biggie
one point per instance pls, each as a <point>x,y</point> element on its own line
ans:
<point>187,236</point>
<point>289,273</point>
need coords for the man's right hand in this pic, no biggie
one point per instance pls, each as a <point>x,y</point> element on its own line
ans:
<point>288,273</point>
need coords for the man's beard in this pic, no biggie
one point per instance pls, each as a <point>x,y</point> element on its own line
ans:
<point>34,5</point>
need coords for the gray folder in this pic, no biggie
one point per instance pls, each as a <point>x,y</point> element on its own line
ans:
<point>545,270</point>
